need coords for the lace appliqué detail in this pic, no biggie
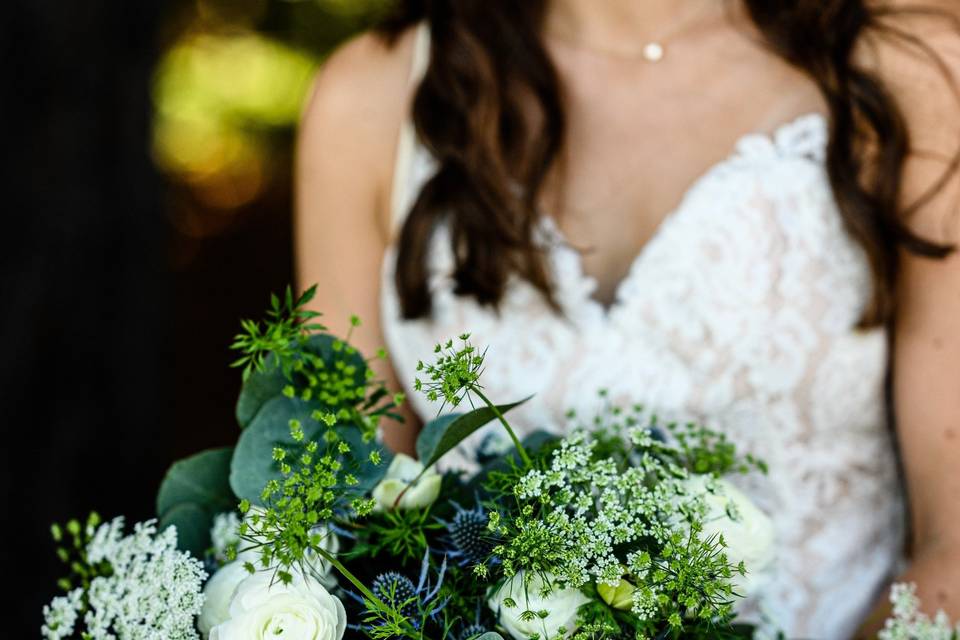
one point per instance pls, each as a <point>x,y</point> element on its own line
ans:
<point>738,313</point>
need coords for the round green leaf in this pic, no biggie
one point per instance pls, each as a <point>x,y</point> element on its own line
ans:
<point>193,527</point>
<point>253,464</point>
<point>201,480</point>
<point>262,386</point>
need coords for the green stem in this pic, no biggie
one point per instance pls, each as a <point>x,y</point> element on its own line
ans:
<point>506,425</point>
<point>411,632</point>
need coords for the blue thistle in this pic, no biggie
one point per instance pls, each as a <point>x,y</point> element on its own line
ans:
<point>417,602</point>
<point>398,591</point>
<point>468,536</point>
<point>472,632</point>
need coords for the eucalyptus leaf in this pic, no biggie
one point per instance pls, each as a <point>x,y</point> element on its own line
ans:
<point>193,524</point>
<point>192,493</point>
<point>441,435</point>
<point>202,480</point>
<point>262,386</point>
<point>368,474</point>
<point>258,388</point>
<point>533,443</point>
<point>253,464</point>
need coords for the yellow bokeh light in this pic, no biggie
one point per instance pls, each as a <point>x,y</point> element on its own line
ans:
<point>217,96</point>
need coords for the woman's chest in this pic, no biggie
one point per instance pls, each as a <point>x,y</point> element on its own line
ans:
<point>744,299</point>
<point>738,312</point>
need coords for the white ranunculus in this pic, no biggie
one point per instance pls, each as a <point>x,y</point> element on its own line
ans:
<point>301,610</point>
<point>322,570</point>
<point>400,474</point>
<point>220,588</point>
<point>747,531</point>
<point>560,606</point>
<point>217,595</point>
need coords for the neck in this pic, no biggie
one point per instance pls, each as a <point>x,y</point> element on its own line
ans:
<point>620,22</point>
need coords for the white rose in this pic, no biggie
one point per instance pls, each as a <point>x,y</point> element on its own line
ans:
<point>748,532</point>
<point>560,606</point>
<point>301,610</point>
<point>400,474</point>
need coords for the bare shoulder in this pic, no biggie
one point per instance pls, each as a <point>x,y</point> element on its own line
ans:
<point>360,96</point>
<point>917,55</point>
<point>365,76</point>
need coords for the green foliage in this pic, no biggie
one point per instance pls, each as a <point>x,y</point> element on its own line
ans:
<point>612,504</point>
<point>443,434</point>
<point>309,410</point>
<point>704,451</point>
<point>401,534</point>
<point>315,482</point>
<point>455,376</point>
<point>255,465</point>
<point>72,540</point>
<point>288,322</point>
<point>327,374</point>
<point>192,493</point>
<point>687,582</point>
<point>454,373</point>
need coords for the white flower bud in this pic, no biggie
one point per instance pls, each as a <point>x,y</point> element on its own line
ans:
<point>400,474</point>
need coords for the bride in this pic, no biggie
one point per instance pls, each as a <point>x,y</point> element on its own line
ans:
<point>739,213</point>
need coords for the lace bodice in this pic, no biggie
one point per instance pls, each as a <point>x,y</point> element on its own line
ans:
<point>739,313</point>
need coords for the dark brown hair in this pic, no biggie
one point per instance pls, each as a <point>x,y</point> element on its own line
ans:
<point>488,65</point>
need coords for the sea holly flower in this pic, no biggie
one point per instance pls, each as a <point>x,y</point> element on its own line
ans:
<point>469,538</point>
<point>403,604</point>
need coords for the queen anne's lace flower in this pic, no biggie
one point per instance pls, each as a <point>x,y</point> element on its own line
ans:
<point>909,623</point>
<point>153,591</point>
<point>60,616</point>
<point>577,516</point>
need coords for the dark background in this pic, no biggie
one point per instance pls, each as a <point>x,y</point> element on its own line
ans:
<point>147,209</point>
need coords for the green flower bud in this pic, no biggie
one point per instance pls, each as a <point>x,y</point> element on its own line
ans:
<point>618,597</point>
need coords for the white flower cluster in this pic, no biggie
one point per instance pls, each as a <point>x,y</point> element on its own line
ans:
<point>153,591</point>
<point>224,534</point>
<point>577,515</point>
<point>909,623</point>
<point>596,508</point>
<point>60,616</point>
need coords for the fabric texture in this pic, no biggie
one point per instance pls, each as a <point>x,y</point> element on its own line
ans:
<point>738,314</point>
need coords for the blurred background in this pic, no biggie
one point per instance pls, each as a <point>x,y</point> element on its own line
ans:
<point>148,209</point>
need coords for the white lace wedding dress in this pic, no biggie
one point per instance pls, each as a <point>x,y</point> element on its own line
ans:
<point>738,314</point>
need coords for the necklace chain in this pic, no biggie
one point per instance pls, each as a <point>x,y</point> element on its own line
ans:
<point>653,50</point>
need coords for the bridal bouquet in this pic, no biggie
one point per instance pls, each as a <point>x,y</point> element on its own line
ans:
<point>308,528</point>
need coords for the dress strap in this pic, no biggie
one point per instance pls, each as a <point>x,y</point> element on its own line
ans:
<point>400,199</point>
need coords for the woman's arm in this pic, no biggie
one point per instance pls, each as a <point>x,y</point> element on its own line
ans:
<point>926,351</point>
<point>344,167</point>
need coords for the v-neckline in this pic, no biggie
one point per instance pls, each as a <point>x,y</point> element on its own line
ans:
<point>781,138</point>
